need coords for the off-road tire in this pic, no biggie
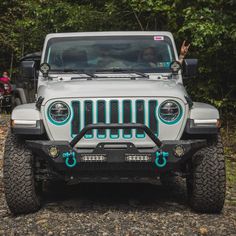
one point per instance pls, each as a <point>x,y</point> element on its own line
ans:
<point>21,191</point>
<point>207,182</point>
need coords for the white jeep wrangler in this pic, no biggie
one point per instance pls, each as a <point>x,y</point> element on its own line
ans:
<point>111,106</point>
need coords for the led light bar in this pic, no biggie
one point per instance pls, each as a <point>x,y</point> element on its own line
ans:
<point>138,158</point>
<point>93,158</point>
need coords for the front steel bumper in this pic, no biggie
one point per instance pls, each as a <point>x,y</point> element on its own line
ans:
<point>115,156</point>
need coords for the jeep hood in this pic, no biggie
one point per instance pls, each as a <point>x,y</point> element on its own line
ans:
<point>111,88</point>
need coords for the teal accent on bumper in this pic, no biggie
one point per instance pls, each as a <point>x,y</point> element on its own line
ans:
<point>70,159</point>
<point>163,157</point>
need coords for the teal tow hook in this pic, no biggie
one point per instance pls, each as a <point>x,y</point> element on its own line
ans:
<point>70,159</point>
<point>160,160</point>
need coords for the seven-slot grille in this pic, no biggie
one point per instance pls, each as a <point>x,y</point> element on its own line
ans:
<point>114,111</point>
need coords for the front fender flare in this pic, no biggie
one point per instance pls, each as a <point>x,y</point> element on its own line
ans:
<point>203,119</point>
<point>26,119</point>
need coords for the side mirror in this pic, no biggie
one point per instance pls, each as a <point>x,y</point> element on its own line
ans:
<point>27,69</point>
<point>190,68</point>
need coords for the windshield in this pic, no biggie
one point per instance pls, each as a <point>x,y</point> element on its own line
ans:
<point>138,53</point>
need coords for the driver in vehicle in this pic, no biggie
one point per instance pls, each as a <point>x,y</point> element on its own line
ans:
<point>150,58</point>
<point>107,60</point>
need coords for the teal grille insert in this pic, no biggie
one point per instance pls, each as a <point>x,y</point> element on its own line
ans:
<point>88,117</point>
<point>114,118</point>
<point>140,117</point>
<point>75,123</point>
<point>114,111</point>
<point>152,116</point>
<point>127,118</point>
<point>101,118</point>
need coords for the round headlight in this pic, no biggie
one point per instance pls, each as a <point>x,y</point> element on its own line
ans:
<point>170,112</point>
<point>59,113</point>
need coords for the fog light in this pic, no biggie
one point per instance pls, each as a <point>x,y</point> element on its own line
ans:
<point>179,151</point>
<point>53,152</point>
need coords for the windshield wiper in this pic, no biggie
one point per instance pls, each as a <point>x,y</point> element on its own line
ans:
<point>91,75</point>
<point>124,71</point>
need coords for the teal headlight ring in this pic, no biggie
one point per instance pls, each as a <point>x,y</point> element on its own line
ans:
<point>177,119</point>
<point>54,121</point>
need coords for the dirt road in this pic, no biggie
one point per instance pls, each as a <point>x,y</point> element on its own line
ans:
<point>115,209</point>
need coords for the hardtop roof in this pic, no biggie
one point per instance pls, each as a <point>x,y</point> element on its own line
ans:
<point>110,33</point>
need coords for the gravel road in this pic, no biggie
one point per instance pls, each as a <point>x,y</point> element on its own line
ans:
<point>114,209</point>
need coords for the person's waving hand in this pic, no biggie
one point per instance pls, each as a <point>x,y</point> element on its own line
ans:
<point>183,51</point>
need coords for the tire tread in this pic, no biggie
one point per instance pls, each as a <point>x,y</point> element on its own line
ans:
<point>208,181</point>
<point>18,176</point>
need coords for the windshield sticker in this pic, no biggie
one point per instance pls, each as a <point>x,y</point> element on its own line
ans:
<point>158,37</point>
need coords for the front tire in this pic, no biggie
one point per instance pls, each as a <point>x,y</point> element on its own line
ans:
<point>207,181</point>
<point>21,190</point>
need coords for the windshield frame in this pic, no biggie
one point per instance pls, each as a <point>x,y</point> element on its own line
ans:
<point>117,37</point>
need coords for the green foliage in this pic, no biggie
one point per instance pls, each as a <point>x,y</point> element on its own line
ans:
<point>209,25</point>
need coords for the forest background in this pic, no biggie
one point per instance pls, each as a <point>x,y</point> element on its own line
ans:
<point>209,25</point>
